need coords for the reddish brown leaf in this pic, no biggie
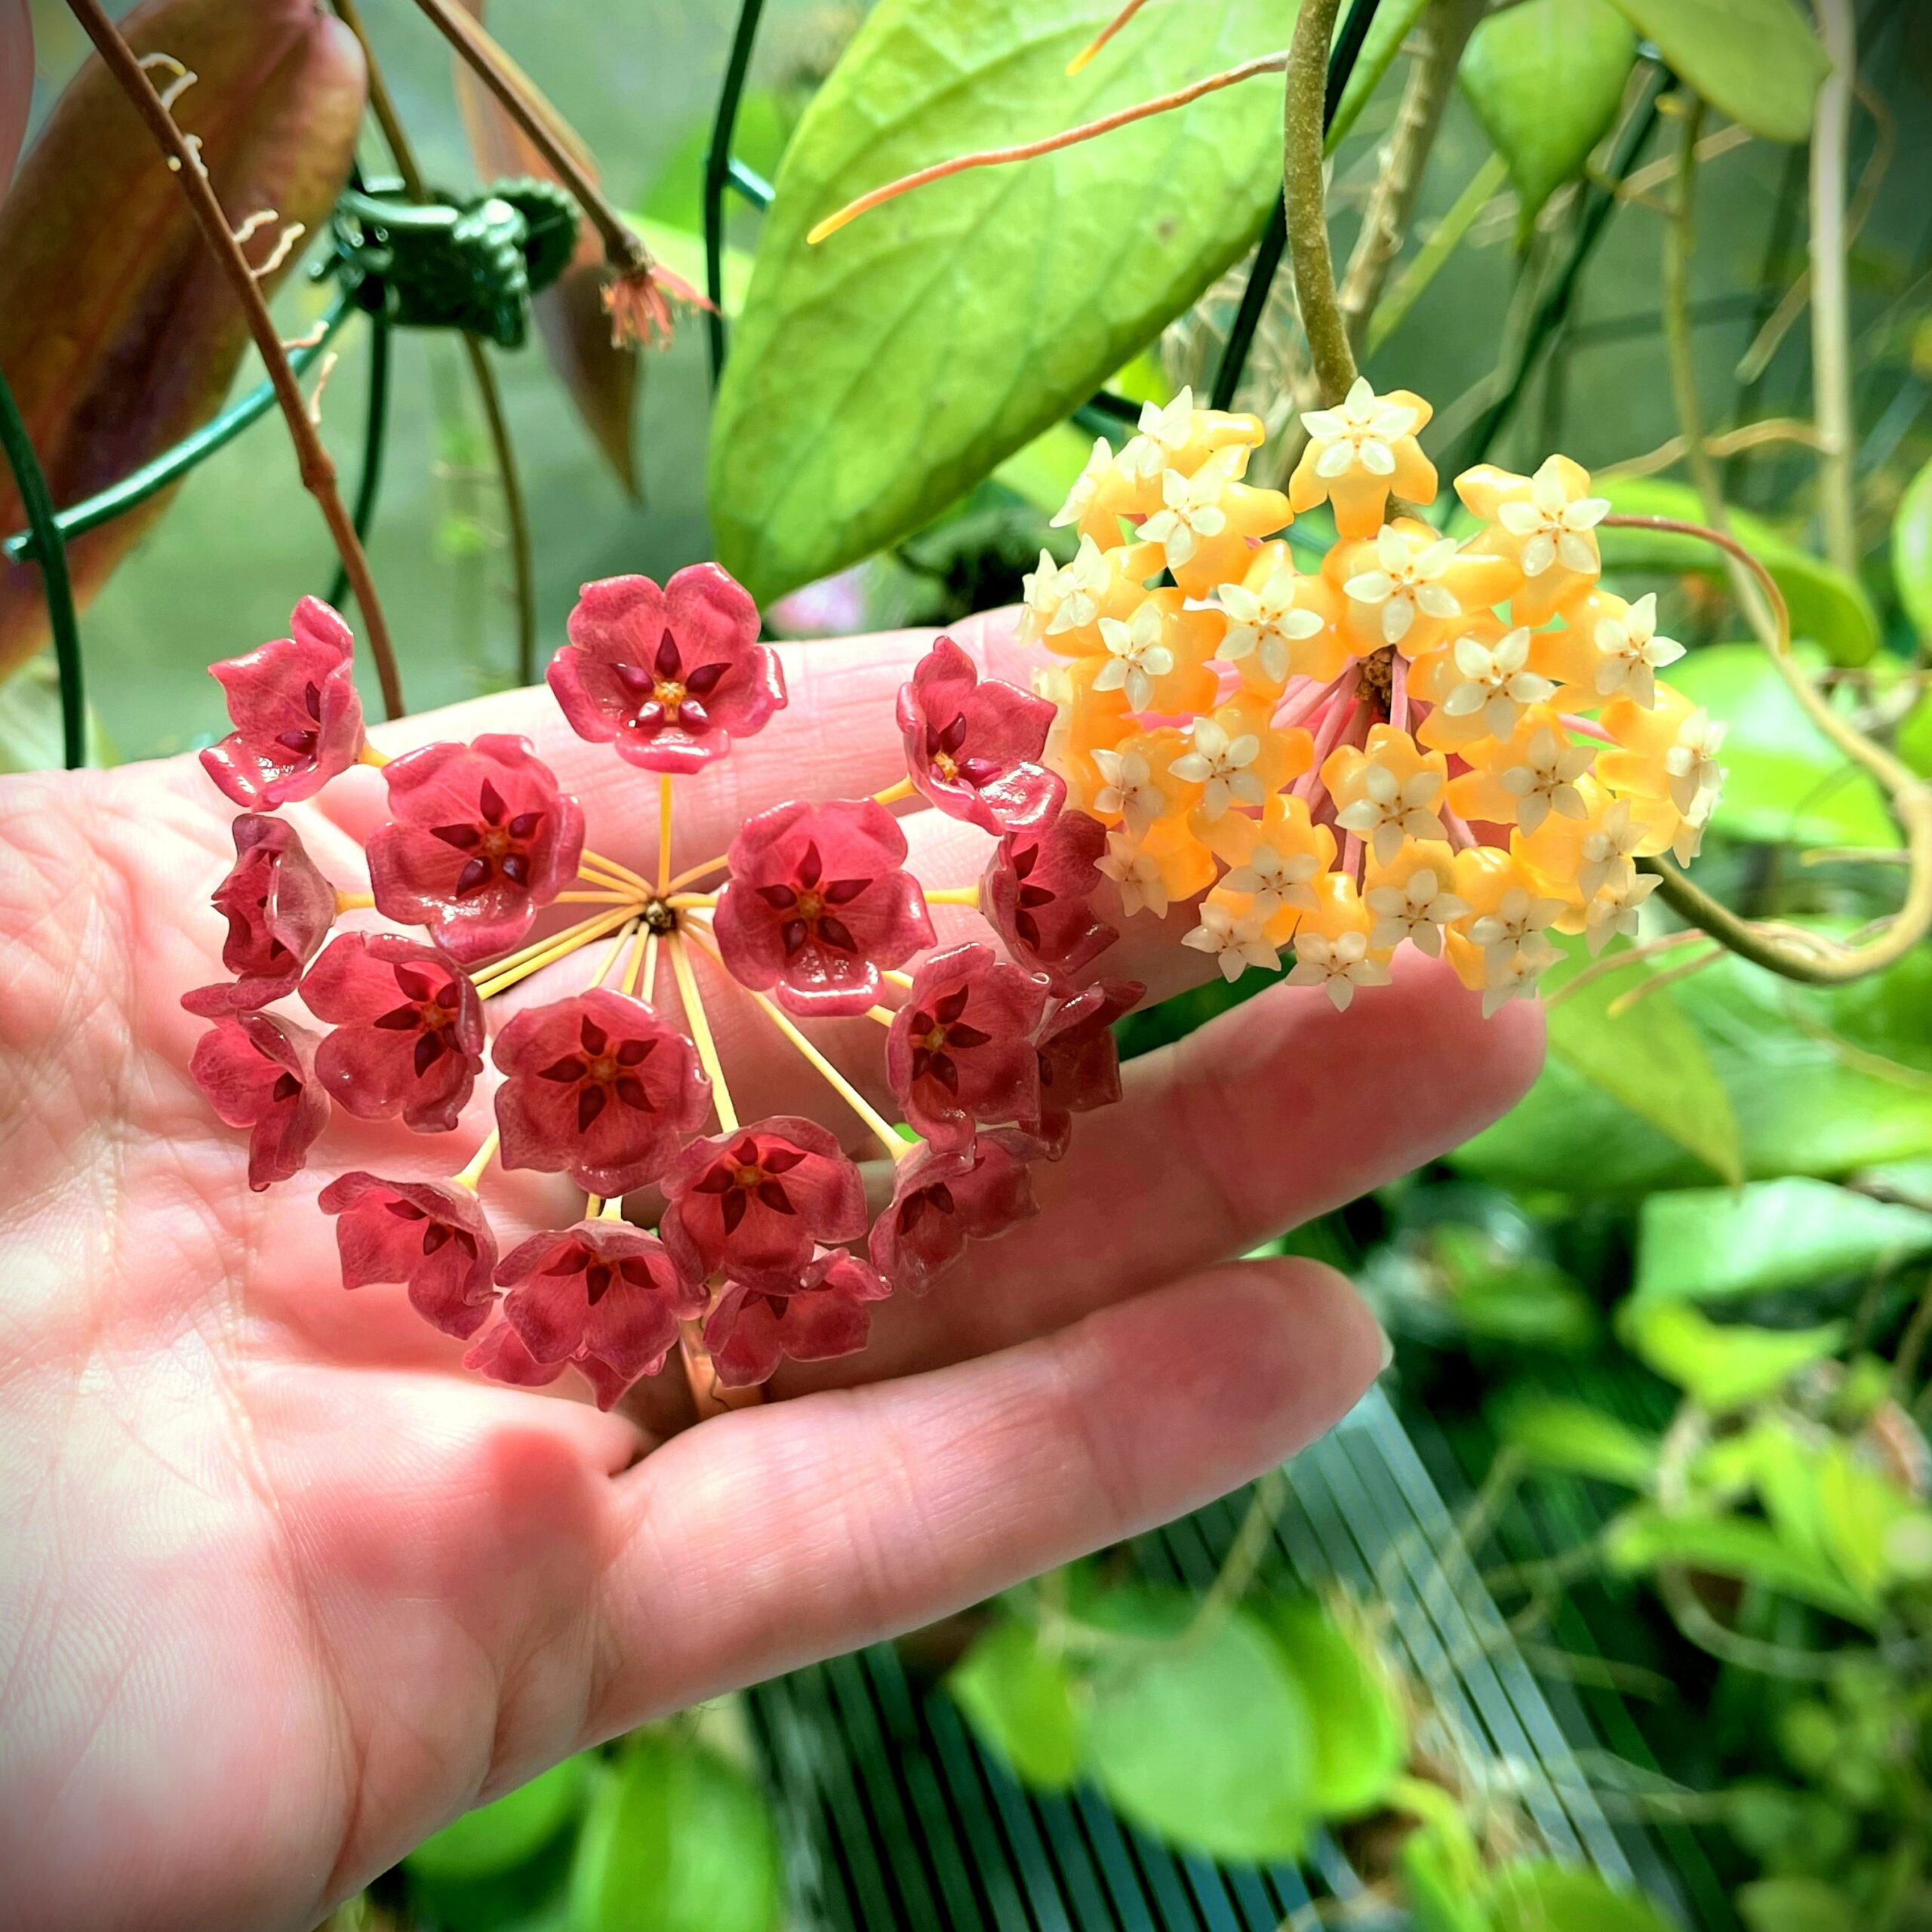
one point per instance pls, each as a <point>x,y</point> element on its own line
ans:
<point>602,380</point>
<point>117,331</point>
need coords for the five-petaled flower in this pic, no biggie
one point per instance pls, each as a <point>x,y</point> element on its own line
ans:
<point>826,1314</point>
<point>670,675</point>
<point>598,1087</point>
<point>259,1073</point>
<point>1038,892</point>
<point>749,1205</point>
<point>407,1035</point>
<point>430,1235</point>
<point>479,841</point>
<point>297,719</point>
<point>974,745</point>
<point>279,908</point>
<point>819,903</point>
<point>601,1292</point>
<point>1079,1060</point>
<point>959,1054</point>
<point>944,1197</point>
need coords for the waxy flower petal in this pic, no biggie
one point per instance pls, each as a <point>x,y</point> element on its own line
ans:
<point>974,746</point>
<point>259,1073</point>
<point>959,1054</point>
<point>1079,1060</point>
<point>1037,893</point>
<point>598,1087</point>
<point>750,1331</point>
<point>279,908</point>
<point>480,839</point>
<point>430,1235</point>
<point>297,719</point>
<point>670,675</point>
<point>944,1198</point>
<point>819,904</point>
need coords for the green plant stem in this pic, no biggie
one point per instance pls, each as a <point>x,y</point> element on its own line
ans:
<point>374,436</point>
<point>1242,1564</point>
<point>173,463</point>
<point>718,171</point>
<point>1446,27</point>
<point>1303,191</point>
<point>50,555</point>
<point>1831,331</point>
<point>316,467</point>
<point>1393,309</point>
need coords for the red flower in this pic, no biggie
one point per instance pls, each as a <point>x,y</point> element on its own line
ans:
<point>599,1088</point>
<point>481,838</point>
<point>818,902</point>
<point>259,1073</point>
<point>602,1292</point>
<point>297,719</point>
<point>945,1197</point>
<point>1079,1061</point>
<point>749,1331</point>
<point>973,749</point>
<point>279,908</point>
<point>959,1052</point>
<point>1038,892</point>
<point>430,1235</point>
<point>750,1205</point>
<point>671,675</point>
<point>408,1029</point>
<point>499,1352</point>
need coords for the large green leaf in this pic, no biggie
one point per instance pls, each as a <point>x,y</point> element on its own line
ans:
<point>1701,1245</point>
<point>1756,60</point>
<point>1205,1738</point>
<point>1784,781</point>
<point>1540,1896</point>
<point>1557,1433</point>
<point>680,1840</point>
<point>1361,1735</point>
<point>1644,1536</point>
<point>876,378</point>
<point>1651,1060</point>
<point>1545,79</point>
<point>1912,551</point>
<point>1827,606</point>
<point>1822,1082</point>
<point>1019,1699</point>
<point>497,1837</point>
<point>1722,1366</point>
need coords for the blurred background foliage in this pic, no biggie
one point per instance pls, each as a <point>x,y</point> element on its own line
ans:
<point>1663,1333</point>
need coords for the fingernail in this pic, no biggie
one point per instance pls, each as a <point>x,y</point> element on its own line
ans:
<point>1387,1350</point>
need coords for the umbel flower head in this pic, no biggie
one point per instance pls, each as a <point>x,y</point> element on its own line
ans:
<point>1397,747</point>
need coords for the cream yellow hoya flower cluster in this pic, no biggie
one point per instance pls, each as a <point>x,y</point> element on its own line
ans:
<point>1391,749</point>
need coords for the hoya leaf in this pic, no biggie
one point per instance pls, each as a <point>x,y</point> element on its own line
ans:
<point>1796,1903</point>
<point>1643,1537</point>
<point>1756,60</point>
<point>1722,1366</point>
<point>876,378</point>
<point>1204,1737</point>
<point>1705,1244</point>
<point>1361,1734</point>
<point>1912,551</point>
<point>1650,1059</point>
<point>1875,1532</point>
<point>1536,1895</point>
<point>1545,79</point>
<point>1019,1699</point>
<point>1558,1433</point>
<point>679,1840</point>
<point>496,1837</point>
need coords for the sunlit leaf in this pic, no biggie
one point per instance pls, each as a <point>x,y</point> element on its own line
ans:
<point>1756,60</point>
<point>876,378</point>
<point>1644,1536</point>
<point>1722,1365</point>
<point>680,1840</point>
<point>1545,79</point>
<point>1019,1697</point>
<point>119,331</point>
<point>1361,1735</point>
<point>1558,1433</point>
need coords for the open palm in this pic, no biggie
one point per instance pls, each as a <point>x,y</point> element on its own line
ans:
<point>283,1588</point>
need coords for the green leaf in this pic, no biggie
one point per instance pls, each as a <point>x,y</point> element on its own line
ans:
<point>679,1840</point>
<point>1875,1532</point>
<point>1203,1737</point>
<point>30,732</point>
<point>1794,1904</point>
<point>1362,1736</point>
<point>1436,1879</point>
<point>1784,781</point>
<point>1722,1366</point>
<point>1651,1060</point>
<point>1557,1433</point>
<point>1912,551</point>
<point>1643,1537</point>
<point>1827,606</point>
<point>1702,1244</point>
<point>1535,1896</point>
<point>497,1837</point>
<point>1545,79</point>
<point>877,377</point>
<point>1019,1699</point>
<point>1756,60</point>
<point>675,197</point>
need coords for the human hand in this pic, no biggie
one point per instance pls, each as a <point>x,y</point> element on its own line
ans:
<point>285,1588</point>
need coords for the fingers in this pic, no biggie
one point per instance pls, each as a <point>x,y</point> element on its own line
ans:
<point>775,1536</point>
<point>1268,1116</point>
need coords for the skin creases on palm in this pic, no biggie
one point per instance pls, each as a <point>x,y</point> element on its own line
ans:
<point>285,1588</point>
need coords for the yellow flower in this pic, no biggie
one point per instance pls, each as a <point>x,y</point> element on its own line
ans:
<point>1627,651</point>
<point>1481,684</point>
<point>1087,722</point>
<point>1410,588</point>
<point>1412,898</point>
<point>1359,453</point>
<point>1152,880</point>
<point>1140,791</point>
<point>1387,791</point>
<point>1275,861</point>
<point>1280,624</point>
<point>1230,932</point>
<point>1061,605</point>
<point>1545,525</point>
<point>1238,758</point>
<point>1499,948</point>
<point>1665,750</point>
<point>1521,780</point>
<point>1157,658</point>
<point>1334,947</point>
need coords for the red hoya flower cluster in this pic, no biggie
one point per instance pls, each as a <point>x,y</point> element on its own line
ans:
<point>765,1247</point>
